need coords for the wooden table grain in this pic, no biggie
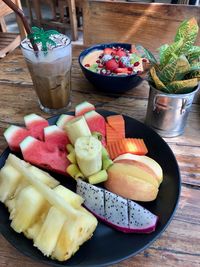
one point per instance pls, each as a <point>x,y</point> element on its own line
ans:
<point>179,245</point>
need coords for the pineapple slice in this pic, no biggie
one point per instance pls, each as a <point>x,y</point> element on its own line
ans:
<point>73,234</point>
<point>50,230</point>
<point>48,193</point>
<point>58,229</point>
<point>9,180</point>
<point>11,202</point>
<point>44,177</point>
<point>32,202</point>
<point>33,231</point>
<point>75,231</point>
<point>69,196</point>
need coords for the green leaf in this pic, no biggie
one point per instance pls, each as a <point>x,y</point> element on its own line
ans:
<point>194,74</point>
<point>51,42</point>
<point>158,83</point>
<point>181,87</point>
<point>35,29</point>
<point>193,53</point>
<point>188,31</point>
<point>36,41</point>
<point>171,52</point>
<point>173,70</point>
<point>150,57</point>
<point>161,50</point>
<point>195,66</point>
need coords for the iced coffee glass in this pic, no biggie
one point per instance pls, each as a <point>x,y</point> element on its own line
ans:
<point>50,72</point>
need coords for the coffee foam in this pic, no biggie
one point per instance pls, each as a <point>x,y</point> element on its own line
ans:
<point>62,49</point>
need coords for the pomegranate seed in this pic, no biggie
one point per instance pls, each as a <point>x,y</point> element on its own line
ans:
<point>136,64</point>
<point>130,69</point>
<point>144,60</point>
<point>98,61</point>
<point>100,56</point>
<point>100,66</point>
<point>87,65</point>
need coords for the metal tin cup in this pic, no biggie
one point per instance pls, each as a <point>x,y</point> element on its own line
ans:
<point>167,113</point>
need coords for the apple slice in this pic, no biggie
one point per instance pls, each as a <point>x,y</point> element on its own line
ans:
<point>151,163</point>
<point>129,186</point>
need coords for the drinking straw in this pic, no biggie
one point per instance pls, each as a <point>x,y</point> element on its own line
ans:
<point>20,13</point>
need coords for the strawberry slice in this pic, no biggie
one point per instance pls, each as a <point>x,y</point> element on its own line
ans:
<point>122,70</point>
<point>120,53</point>
<point>108,51</point>
<point>111,64</point>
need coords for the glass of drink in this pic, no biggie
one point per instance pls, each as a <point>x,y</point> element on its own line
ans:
<point>50,71</point>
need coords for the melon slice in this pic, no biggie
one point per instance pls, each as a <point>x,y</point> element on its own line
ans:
<point>56,136</point>
<point>63,119</point>
<point>83,107</point>
<point>44,155</point>
<point>96,123</point>
<point>14,135</point>
<point>36,124</point>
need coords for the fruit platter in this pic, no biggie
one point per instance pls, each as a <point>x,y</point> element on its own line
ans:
<point>79,183</point>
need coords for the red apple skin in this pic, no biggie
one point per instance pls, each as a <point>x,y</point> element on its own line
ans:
<point>122,182</point>
<point>149,162</point>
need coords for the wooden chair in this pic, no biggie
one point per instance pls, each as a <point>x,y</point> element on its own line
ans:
<point>54,22</point>
<point>150,25</point>
<point>9,41</point>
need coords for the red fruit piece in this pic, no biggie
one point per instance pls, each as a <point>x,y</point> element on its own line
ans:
<point>144,60</point>
<point>44,155</point>
<point>120,53</point>
<point>111,65</point>
<point>121,70</point>
<point>108,51</point>
<point>136,64</point>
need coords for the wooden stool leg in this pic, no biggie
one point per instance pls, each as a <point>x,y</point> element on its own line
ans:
<point>61,8</point>
<point>36,5</point>
<point>3,25</point>
<point>73,20</point>
<point>52,5</point>
<point>29,10</point>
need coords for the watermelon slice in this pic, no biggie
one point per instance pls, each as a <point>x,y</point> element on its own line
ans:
<point>56,137</point>
<point>36,124</point>
<point>96,123</point>
<point>83,107</point>
<point>14,135</point>
<point>44,155</point>
<point>63,119</point>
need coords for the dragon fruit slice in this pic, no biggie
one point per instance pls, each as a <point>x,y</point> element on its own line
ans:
<point>116,209</point>
<point>122,214</point>
<point>95,203</point>
<point>143,219</point>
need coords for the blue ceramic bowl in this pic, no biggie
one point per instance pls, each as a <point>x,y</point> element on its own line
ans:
<point>109,84</point>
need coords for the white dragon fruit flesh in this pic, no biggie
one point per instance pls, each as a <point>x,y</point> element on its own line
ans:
<point>120,213</point>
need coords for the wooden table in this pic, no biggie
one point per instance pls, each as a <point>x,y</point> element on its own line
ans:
<point>179,245</point>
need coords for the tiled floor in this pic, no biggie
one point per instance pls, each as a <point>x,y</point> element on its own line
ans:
<point>12,25</point>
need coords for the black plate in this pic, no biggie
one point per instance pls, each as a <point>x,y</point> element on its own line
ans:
<point>108,246</point>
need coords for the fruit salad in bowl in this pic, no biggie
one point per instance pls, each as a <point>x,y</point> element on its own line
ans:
<point>114,67</point>
<point>115,61</point>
